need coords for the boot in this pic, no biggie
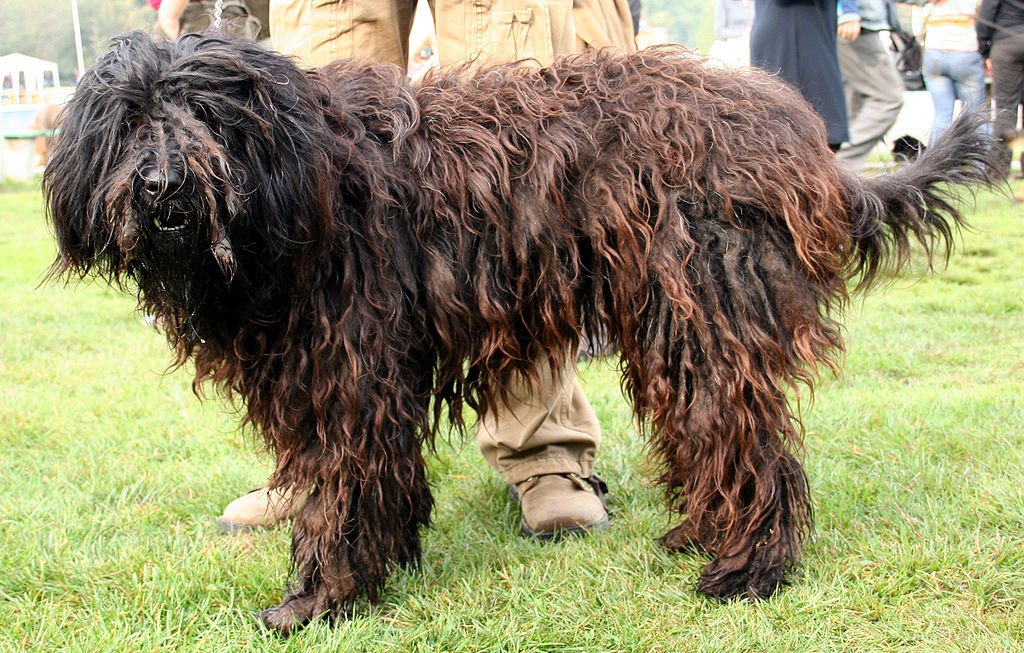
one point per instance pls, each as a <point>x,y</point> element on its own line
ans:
<point>261,508</point>
<point>557,505</point>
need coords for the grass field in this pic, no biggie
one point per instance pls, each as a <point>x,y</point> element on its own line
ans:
<point>113,473</point>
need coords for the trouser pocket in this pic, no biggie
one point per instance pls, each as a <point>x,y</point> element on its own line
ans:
<point>510,30</point>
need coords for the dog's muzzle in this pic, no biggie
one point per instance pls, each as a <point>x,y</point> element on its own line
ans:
<point>161,189</point>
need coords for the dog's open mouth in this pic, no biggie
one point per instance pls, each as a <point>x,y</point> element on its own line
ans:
<point>171,220</point>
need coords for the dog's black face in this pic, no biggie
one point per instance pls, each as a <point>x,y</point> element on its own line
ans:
<point>179,171</point>
<point>179,210</point>
<point>167,245</point>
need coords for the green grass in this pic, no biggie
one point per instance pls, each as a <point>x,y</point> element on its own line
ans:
<point>113,474</point>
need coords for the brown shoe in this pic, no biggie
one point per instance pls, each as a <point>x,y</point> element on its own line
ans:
<point>557,505</point>
<point>261,508</point>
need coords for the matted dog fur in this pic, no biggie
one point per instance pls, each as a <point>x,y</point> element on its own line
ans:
<point>355,257</point>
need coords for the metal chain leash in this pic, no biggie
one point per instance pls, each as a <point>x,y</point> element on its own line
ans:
<point>218,11</point>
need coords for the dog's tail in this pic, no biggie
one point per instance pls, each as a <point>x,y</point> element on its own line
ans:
<point>919,203</point>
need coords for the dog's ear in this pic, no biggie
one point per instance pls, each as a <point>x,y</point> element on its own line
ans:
<point>90,153</point>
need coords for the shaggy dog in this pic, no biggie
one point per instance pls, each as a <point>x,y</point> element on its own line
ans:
<point>355,258</point>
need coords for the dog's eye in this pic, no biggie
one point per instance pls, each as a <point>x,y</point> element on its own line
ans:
<point>171,221</point>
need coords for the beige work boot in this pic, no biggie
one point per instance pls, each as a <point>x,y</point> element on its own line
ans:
<point>261,508</point>
<point>557,505</point>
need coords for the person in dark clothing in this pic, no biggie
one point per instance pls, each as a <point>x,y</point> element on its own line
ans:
<point>1000,27</point>
<point>797,40</point>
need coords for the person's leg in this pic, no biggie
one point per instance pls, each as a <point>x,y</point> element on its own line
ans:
<point>1007,68</point>
<point>535,31</point>
<point>1015,147</point>
<point>941,89</point>
<point>1017,71</point>
<point>548,428</point>
<point>869,70</point>
<point>603,23</point>
<point>968,72</point>
<point>543,443</point>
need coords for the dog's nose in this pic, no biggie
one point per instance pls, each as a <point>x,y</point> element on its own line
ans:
<point>157,180</point>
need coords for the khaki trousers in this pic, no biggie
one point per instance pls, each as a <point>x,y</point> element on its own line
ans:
<point>482,31</point>
<point>549,427</point>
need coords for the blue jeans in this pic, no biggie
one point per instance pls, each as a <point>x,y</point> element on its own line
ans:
<point>952,76</point>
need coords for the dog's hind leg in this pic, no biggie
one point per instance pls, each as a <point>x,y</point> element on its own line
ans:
<point>745,501</point>
<point>743,496</point>
<point>370,499</point>
<point>717,344</point>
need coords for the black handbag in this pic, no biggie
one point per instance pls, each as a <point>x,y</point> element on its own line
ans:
<point>908,53</point>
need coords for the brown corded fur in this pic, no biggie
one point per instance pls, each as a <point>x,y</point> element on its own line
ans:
<point>354,257</point>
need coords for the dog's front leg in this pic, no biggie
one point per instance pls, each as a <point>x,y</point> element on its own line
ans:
<point>370,499</point>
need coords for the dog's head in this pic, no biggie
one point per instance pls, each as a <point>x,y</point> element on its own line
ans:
<point>188,170</point>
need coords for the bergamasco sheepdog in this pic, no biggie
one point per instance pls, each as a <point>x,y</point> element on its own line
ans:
<point>355,259</point>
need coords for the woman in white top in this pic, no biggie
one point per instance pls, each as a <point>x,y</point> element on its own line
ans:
<point>953,68</point>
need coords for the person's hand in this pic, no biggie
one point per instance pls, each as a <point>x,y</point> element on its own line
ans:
<point>849,30</point>
<point>988,68</point>
<point>168,16</point>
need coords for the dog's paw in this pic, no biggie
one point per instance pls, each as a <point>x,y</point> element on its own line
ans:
<point>749,574</point>
<point>296,610</point>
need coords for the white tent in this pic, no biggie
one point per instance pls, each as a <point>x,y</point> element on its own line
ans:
<point>27,80</point>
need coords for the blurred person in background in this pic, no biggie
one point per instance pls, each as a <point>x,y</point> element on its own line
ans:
<point>796,39</point>
<point>953,67</point>
<point>733,20</point>
<point>1000,29</point>
<point>873,86</point>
